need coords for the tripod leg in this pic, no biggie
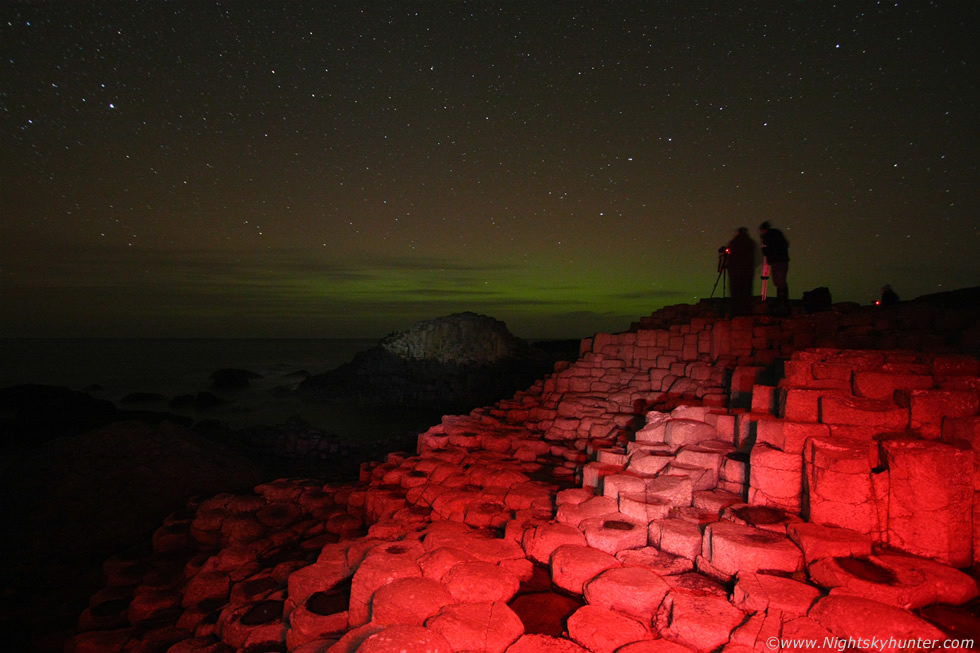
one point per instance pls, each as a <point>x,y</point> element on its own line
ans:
<point>714,287</point>
<point>765,277</point>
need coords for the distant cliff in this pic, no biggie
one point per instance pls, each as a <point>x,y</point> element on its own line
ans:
<point>457,361</point>
<point>460,338</point>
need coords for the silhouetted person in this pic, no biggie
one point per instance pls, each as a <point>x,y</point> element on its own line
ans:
<point>741,271</point>
<point>775,248</point>
<point>888,296</point>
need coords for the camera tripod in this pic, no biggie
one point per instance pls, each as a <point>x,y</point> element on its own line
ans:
<point>722,266</point>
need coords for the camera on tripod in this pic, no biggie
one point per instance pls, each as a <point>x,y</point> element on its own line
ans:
<point>723,253</point>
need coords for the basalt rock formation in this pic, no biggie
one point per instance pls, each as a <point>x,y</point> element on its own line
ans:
<point>695,484</point>
<point>455,362</point>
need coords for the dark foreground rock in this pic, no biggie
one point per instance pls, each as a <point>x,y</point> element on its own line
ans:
<point>73,501</point>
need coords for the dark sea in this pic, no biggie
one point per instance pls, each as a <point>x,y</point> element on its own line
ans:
<point>115,368</point>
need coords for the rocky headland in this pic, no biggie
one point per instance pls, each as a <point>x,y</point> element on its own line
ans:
<point>451,363</point>
<point>696,483</point>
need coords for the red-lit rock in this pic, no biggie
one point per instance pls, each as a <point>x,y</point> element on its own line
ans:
<point>544,644</point>
<point>883,385</point>
<point>487,627</point>
<point>594,473</point>
<point>573,496</point>
<point>491,549</point>
<point>449,503</point>
<point>699,621</point>
<point>655,428</point>
<point>649,463</point>
<point>887,628</point>
<point>258,586</point>
<point>318,577</point>
<point>435,564</point>
<point>655,560</point>
<point>943,584</point>
<point>207,587</point>
<point>678,491</point>
<point>733,476</point>
<point>573,513</point>
<point>614,485</point>
<point>475,543</point>
<point>930,500</point>
<point>762,517</point>
<point>151,605</point>
<point>642,508</point>
<point>776,478</point>
<point>654,646</point>
<point>787,435</point>
<point>838,474</point>
<point>316,646</point>
<point>530,494</point>
<point>322,616</point>
<point>707,454</point>
<point>487,514</point>
<point>797,633</point>
<point>541,541</point>
<point>858,411</point>
<point>964,432</point>
<point>406,639</point>
<point>633,591</point>
<point>241,528</point>
<point>408,601</point>
<point>253,622</point>
<point>756,633</point>
<point>238,561</point>
<point>799,404</point>
<point>353,638</point>
<point>929,408</point>
<point>700,477</point>
<point>680,432</point>
<point>715,501</point>
<point>756,592</point>
<point>614,533</point>
<point>955,365</point>
<point>870,578</point>
<point>478,581</point>
<point>573,565</point>
<point>731,548</point>
<point>818,541</point>
<point>344,525</point>
<point>676,536</point>
<point>602,630</point>
<point>374,572</point>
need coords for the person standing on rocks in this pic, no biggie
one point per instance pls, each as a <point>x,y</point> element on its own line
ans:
<point>888,296</point>
<point>741,270</point>
<point>775,249</point>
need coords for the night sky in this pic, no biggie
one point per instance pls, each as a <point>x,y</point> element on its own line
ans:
<point>345,169</point>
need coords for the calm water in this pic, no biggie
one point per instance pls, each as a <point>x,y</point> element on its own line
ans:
<point>149,364</point>
<point>112,368</point>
